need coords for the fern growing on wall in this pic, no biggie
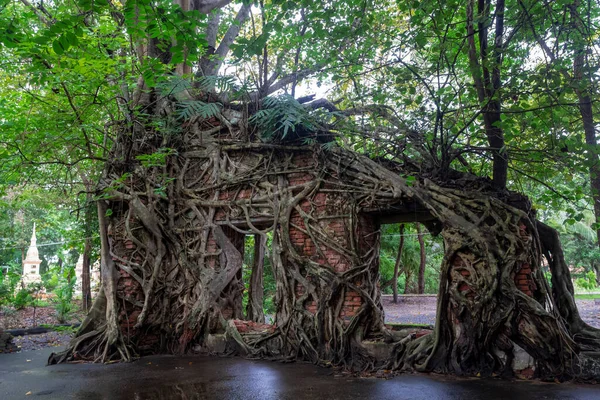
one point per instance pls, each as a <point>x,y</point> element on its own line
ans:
<point>196,108</point>
<point>281,115</point>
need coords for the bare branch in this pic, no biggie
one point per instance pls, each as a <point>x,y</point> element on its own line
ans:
<point>206,6</point>
<point>232,33</point>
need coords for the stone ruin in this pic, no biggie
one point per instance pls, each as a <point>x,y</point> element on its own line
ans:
<point>173,243</point>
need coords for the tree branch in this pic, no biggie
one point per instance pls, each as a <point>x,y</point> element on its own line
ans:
<point>232,33</point>
<point>206,6</point>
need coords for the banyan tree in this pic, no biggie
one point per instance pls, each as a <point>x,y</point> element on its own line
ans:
<point>192,172</point>
<point>174,210</point>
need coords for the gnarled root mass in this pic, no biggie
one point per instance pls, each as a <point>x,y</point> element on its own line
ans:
<point>174,211</point>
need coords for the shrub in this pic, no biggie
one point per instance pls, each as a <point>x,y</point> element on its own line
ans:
<point>63,292</point>
<point>51,279</point>
<point>6,293</point>
<point>8,283</point>
<point>22,299</point>
<point>587,282</point>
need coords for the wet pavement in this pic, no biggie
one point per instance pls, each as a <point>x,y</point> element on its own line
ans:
<point>25,376</point>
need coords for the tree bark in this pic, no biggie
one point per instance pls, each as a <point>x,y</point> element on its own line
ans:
<point>421,284</point>
<point>90,210</point>
<point>597,271</point>
<point>407,286</point>
<point>86,292</point>
<point>254,309</point>
<point>397,265</point>
<point>583,85</point>
<point>488,83</point>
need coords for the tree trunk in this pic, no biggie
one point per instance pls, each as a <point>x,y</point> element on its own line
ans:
<point>254,310</point>
<point>90,210</point>
<point>408,287</point>
<point>397,264</point>
<point>487,83</point>
<point>583,85</point>
<point>86,292</point>
<point>421,285</point>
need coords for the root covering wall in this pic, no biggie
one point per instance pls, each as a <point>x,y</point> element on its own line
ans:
<point>173,229</point>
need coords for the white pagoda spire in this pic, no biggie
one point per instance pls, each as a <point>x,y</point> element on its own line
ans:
<point>32,252</point>
<point>31,264</point>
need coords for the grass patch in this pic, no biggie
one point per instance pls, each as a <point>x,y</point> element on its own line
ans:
<point>587,296</point>
<point>61,329</point>
<point>395,326</point>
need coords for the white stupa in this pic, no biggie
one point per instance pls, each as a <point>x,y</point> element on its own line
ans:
<point>94,277</point>
<point>79,275</point>
<point>31,264</point>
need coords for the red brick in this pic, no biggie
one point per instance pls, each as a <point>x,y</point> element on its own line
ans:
<point>525,271</point>
<point>463,287</point>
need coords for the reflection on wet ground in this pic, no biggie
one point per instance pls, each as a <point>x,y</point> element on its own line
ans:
<point>194,391</point>
<point>23,375</point>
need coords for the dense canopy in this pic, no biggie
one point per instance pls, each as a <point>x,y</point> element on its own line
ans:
<point>455,105</point>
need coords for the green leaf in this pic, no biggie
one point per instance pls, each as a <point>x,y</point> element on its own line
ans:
<point>57,47</point>
<point>71,39</point>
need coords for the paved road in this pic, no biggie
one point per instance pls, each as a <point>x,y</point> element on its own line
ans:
<point>168,377</point>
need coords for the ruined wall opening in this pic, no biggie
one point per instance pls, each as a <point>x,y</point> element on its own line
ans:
<point>410,258</point>
<point>258,299</point>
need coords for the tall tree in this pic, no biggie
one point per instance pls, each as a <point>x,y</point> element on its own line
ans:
<point>486,68</point>
<point>397,264</point>
<point>139,84</point>
<point>254,309</point>
<point>423,260</point>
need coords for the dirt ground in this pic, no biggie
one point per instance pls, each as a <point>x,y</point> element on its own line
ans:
<point>22,319</point>
<point>422,310</point>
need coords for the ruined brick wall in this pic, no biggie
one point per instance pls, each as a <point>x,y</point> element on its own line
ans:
<point>328,208</point>
<point>332,208</point>
<point>523,278</point>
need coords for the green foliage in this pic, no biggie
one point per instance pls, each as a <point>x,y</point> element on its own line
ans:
<point>28,296</point>
<point>22,299</point>
<point>587,282</point>
<point>51,278</point>
<point>156,159</point>
<point>63,300</point>
<point>62,218</point>
<point>269,284</point>
<point>579,241</point>
<point>548,277</point>
<point>411,258</point>
<point>62,329</point>
<point>67,80</point>
<point>8,284</point>
<point>281,115</point>
<point>192,108</point>
<point>586,296</point>
<point>221,84</point>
